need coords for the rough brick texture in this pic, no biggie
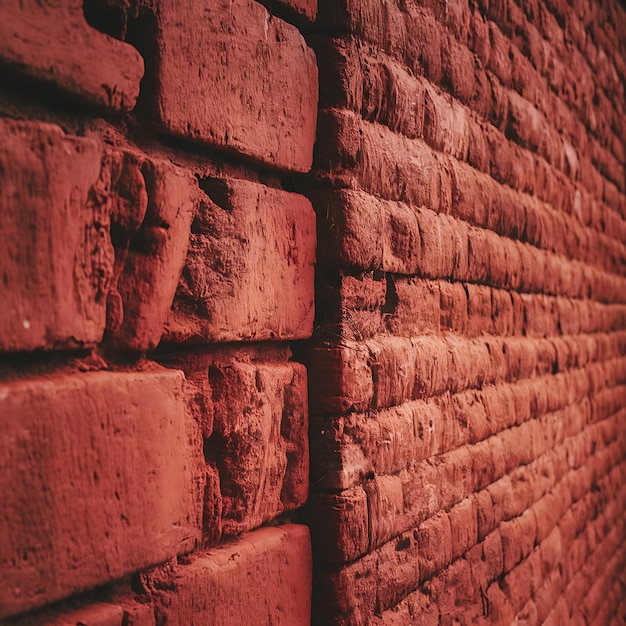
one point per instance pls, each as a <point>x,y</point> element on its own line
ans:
<point>404,218</point>
<point>250,245</point>
<point>99,476</point>
<point>252,406</point>
<point>46,214</point>
<point>156,258</point>
<point>276,565</point>
<point>467,374</point>
<point>52,42</point>
<point>232,75</point>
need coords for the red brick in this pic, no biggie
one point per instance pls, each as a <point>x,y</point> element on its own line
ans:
<point>340,379</point>
<point>233,76</point>
<point>457,594</point>
<point>385,508</point>
<point>393,371</point>
<point>349,594</point>
<point>417,310</point>
<point>446,125</point>
<point>155,257</point>
<point>500,609</point>
<point>363,291</point>
<point>518,585</point>
<point>249,268</point>
<point>528,615</point>
<point>453,307</point>
<point>551,552</point>
<point>335,465</point>
<point>487,522</point>
<point>401,239</point>
<point>259,440</point>
<point>339,525</point>
<point>435,545</point>
<point>492,555</point>
<point>418,608</point>
<point>398,570</point>
<point>559,615</point>
<point>464,526</point>
<point>58,257</point>
<point>55,44</point>
<point>548,594</point>
<point>262,578</point>
<point>110,465</point>
<point>518,539</point>
<point>388,443</point>
<point>351,227</point>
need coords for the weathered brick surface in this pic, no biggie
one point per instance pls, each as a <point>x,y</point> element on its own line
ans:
<point>467,384</point>
<point>467,374</point>
<point>233,76</point>
<point>57,256</point>
<point>134,239</point>
<point>151,263</point>
<point>252,409</point>
<point>249,269</point>
<point>259,441</point>
<point>52,42</point>
<point>262,578</point>
<point>99,476</point>
<point>96,238</point>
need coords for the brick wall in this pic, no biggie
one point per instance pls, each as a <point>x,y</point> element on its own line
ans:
<point>468,398</point>
<point>156,264</point>
<point>312,315</point>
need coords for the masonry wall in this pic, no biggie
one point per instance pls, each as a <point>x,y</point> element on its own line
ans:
<point>468,372</point>
<point>156,265</point>
<point>312,315</point>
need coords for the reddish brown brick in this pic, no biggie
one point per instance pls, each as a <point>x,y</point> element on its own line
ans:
<point>259,441</point>
<point>248,82</point>
<point>58,257</point>
<point>262,578</point>
<point>339,525</point>
<point>249,268</point>
<point>55,44</point>
<point>100,478</point>
<point>152,264</point>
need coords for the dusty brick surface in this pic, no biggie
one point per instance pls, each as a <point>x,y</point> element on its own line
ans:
<point>231,75</point>
<point>249,268</point>
<point>96,237</point>
<point>100,479</point>
<point>135,239</point>
<point>468,373</point>
<point>464,201</point>
<point>151,263</point>
<point>259,441</point>
<point>58,257</point>
<point>52,42</point>
<point>262,578</point>
<point>251,404</point>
